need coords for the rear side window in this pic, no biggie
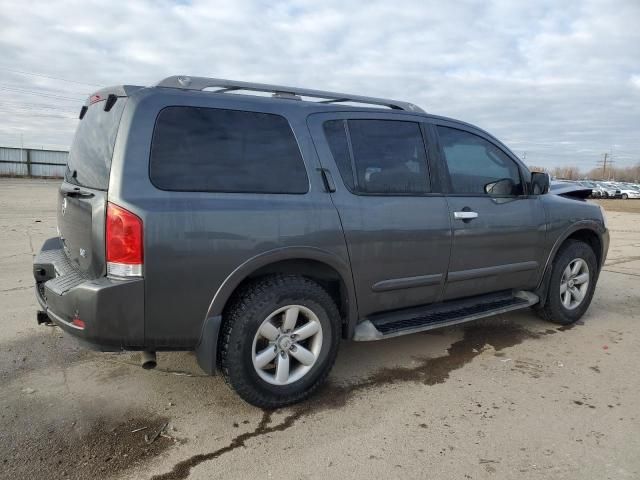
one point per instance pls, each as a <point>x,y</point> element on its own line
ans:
<point>379,156</point>
<point>216,150</point>
<point>477,166</point>
<point>89,160</point>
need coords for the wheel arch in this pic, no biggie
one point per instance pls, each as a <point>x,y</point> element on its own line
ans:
<point>587,231</point>
<point>324,267</point>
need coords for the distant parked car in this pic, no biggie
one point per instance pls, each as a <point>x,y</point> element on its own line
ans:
<point>607,190</point>
<point>626,192</point>
<point>596,191</point>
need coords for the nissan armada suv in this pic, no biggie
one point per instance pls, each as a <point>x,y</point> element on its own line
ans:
<point>258,224</point>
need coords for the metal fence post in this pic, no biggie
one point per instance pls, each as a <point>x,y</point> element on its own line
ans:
<point>28,162</point>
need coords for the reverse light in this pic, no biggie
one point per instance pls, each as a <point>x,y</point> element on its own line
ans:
<point>123,242</point>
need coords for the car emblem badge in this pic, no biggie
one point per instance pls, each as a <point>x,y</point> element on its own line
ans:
<point>83,253</point>
<point>64,205</point>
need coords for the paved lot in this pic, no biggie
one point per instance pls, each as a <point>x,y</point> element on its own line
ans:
<point>512,397</point>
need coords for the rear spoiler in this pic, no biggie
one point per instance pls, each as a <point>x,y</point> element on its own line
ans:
<point>110,94</point>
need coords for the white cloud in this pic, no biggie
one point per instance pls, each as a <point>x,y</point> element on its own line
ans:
<point>557,80</point>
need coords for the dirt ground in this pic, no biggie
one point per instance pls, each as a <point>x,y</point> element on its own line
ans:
<point>629,206</point>
<point>510,397</point>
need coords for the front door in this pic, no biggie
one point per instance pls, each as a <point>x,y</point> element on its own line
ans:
<point>498,230</point>
<point>397,229</point>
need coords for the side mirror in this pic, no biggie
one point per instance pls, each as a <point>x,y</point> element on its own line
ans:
<point>504,186</point>
<point>539,183</point>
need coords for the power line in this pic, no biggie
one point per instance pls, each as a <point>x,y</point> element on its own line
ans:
<point>39,115</point>
<point>41,94</point>
<point>50,77</point>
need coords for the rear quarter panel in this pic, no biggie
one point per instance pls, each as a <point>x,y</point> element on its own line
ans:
<point>193,240</point>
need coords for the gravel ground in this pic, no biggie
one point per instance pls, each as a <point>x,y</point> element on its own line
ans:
<point>510,397</point>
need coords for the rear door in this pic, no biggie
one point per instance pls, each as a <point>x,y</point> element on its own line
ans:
<point>498,229</point>
<point>83,194</point>
<point>396,224</point>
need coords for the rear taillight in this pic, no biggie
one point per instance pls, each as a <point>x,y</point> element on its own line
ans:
<point>124,242</point>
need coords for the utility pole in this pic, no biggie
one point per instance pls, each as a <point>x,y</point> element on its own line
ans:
<point>604,163</point>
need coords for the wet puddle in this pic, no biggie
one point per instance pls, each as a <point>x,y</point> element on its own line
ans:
<point>428,371</point>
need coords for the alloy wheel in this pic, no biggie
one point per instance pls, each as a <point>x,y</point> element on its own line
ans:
<point>287,345</point>
<point>574,283</point>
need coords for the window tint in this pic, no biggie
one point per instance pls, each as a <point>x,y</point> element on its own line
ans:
<point>215,150</point>
<point>386,156</point>
<point>89,160</point>
<point>475,165</point>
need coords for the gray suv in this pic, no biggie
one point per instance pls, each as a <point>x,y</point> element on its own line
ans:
<point>259,224</point>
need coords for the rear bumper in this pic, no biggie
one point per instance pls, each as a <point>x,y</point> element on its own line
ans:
<point>112,310</point>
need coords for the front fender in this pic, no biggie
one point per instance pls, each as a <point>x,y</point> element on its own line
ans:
<point>588,224</point>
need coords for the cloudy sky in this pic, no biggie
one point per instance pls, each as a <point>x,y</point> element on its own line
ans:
<point>557,81</point>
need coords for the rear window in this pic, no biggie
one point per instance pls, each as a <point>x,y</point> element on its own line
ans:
<point>89,160</point>
<point>217,150</point>
<point>379,156</point>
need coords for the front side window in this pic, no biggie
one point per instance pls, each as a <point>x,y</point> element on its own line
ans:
<point>477,166</point>
<point>215,150</point>
<point>379,156</point>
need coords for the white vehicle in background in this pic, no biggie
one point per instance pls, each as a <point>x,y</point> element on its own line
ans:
<point>607,190</point>
<point>596,190</point>
<point>628,191</point>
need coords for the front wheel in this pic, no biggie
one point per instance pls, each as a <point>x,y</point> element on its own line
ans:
<point>279,340</point>
<point>572,283</point>
<point>625,196</point>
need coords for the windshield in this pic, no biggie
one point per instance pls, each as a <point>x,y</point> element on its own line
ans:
<point>89,161</point>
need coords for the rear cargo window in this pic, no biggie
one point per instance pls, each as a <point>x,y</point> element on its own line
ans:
<point>89,161</point>
<point>217,150</point>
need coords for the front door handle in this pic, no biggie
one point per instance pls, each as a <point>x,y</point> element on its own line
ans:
<point>465,215</point>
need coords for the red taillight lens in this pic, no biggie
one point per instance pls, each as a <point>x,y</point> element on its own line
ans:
<point>124,242</point>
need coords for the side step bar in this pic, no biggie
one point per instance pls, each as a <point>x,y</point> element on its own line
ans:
<point>404,322</point>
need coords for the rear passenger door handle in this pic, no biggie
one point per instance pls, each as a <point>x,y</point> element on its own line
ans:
<point>329,185</point>
<point>465,215</point>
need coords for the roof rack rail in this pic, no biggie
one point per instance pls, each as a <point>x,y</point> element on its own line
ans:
<point>202,83</point>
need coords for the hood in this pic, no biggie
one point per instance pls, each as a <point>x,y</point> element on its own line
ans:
<point>569,189</point>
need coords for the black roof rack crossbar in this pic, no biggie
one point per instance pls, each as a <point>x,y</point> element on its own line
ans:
<point>202,83</point>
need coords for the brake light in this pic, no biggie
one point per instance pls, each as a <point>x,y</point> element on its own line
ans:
<point>123,242</point>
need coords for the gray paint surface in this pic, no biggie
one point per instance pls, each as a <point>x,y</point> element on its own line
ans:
<point>199,246</point>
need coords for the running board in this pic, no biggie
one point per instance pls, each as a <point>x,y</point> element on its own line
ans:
<point>404,322</point>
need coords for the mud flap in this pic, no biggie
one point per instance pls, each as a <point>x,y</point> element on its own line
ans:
<point>207,349</point>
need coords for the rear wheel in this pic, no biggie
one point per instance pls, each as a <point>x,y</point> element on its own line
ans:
<point>571,285</point>
<point>625,196</point>
<point>279,340</point>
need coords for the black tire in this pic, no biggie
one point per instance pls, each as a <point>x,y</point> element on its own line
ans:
<point>553,310</point>
<point>255,303</point>
<point>625,196</point>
